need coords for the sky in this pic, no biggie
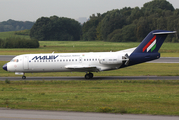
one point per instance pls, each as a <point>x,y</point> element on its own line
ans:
<point>31,10</point>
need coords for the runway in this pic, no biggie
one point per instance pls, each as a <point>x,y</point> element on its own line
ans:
<point>6,57</point>
<point>56,115</point>
<point>96,78</point>
<point>161,60</point>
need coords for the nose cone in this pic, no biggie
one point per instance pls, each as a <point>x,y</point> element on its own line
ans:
<point>5,67</point>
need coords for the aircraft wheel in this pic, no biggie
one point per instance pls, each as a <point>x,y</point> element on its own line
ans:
<point>87,76</point>
<point>23,77</point>
<point>91,75</point>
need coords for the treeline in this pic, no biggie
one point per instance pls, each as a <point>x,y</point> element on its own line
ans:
<point>132,24</point>
<point>12,25</point>
<point>18,43</point>
<point>124,25</point>
<point>55,28</point>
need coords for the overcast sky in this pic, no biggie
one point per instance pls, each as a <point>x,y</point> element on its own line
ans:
<point>31,10</point>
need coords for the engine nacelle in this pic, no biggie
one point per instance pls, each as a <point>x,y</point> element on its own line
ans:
<point>110,60</point>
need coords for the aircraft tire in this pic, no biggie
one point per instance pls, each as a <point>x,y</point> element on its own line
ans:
<point>87,76</point>
<point>91,75</point>
<point>23,77</point>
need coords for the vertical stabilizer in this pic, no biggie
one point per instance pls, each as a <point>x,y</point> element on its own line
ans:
<point>149,47</point>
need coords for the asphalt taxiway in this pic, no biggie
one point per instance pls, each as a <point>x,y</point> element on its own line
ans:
<point>56,115</point>
<point>96,78</point>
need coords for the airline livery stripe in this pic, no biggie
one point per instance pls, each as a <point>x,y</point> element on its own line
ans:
<point>151,45</point>
<point>148,44</point>
<point>153,48</point>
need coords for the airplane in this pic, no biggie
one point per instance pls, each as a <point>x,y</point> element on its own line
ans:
<point>89,62</point>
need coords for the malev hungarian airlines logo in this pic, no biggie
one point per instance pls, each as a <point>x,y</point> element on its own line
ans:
<point>151,45</point>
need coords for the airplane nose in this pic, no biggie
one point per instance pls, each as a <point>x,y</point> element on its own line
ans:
<point>5,67</point>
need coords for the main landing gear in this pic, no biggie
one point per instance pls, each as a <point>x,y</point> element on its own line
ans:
<point>89,75</point>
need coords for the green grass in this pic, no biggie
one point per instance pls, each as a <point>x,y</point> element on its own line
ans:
<point>4,35</point>
<point>113,96</point>
<point>167,49</point>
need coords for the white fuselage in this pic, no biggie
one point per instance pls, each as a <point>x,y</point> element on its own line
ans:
<point>66,62</point>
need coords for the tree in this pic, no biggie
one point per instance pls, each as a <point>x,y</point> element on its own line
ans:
<point>113,20</point>
<point>12,25</point>
<point>55,28</point>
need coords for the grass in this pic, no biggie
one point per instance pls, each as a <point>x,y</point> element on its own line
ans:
<point>4,35</point>
<point>167,49</point>
<point>112,96</point>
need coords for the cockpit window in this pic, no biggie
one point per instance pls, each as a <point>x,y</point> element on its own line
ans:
<point>14,60</point>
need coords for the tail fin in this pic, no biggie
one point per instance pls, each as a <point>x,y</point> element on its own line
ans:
<point>153,41</point>
<point>149,47</point>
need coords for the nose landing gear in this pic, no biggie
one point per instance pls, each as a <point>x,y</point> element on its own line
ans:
<point>89,76</point>
<point>24,77</point>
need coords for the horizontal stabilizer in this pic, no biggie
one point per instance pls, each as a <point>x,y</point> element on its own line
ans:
<point>165,33</point>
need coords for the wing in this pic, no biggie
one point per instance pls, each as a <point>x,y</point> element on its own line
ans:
<point>83,68</point>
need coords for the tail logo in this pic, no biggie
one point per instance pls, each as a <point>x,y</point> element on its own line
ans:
<point>151,45</point>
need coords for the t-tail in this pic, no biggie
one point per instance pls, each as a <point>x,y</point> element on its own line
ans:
<point>149,47</point>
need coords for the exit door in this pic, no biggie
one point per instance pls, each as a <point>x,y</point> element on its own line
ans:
<point>26,62</point>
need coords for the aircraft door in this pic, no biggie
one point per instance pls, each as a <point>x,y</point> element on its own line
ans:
<point>26,62</point>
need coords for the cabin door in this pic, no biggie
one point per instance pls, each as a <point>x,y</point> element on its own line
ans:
<point>26,62</point>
